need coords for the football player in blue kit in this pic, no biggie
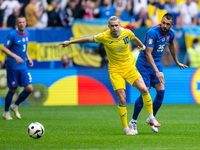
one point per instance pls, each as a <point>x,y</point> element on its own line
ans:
<point>150,67</point>
<point>15,48</point>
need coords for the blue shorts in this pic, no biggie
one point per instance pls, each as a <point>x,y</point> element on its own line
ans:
<point>17,78</point>
<point>148,74</point>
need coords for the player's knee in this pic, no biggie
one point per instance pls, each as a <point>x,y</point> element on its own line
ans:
<point>144,90</point>
<point>13,90</point>
<point>29,88</point>
<point>122,100</point>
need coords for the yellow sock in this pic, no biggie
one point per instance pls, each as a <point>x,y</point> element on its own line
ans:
<point>147,102</point>
<point>123,115</point>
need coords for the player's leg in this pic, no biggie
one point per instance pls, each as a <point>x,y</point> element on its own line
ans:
<point>139,101</point>
<point>12,83</point>
<point>157,103</point>
<point>159,97</point>
<point>28,88</point>
<point>8,101</point>
<point>121,96</point>
<point>140,85</point>
<point>119,87</point>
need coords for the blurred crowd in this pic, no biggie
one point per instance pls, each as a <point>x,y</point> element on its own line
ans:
<point>62,13</point>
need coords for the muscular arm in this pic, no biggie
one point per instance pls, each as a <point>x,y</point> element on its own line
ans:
<point>81,40</point>
<point>174,55</point>
<point>150,58</point>
<point>153,65</point>
<point>9,53</point>
<point>29,59</point>
<point>173,52</point>
<point>137,42</point>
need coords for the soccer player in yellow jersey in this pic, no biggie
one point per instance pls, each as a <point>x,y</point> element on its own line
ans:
<point>121,67</point>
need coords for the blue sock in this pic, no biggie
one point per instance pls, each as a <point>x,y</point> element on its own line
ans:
<point>138,107</point>
<point>158,101</point>
<point>22,96</point>
<point>8,100</point>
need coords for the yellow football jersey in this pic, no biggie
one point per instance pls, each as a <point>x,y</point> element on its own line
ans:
<point>117,48</point>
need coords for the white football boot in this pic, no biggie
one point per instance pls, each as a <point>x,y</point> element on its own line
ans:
<point>15,110</point>
<point>155,129</point>
<point>133,125</point>
<point>7,116</point>
<point>130,131</point>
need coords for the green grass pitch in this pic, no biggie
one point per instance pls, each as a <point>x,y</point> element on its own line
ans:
<point>99,127</point>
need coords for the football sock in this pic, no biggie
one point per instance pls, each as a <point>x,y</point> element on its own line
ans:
<point>8,100</point>
<point>123,115</point>
<point>133,120</point>
<point>158,101</point>
<point>147,102</point>
<point>22,96</point>
<point>151,116</point>
<point>6,112</point>
<point>138,107</point>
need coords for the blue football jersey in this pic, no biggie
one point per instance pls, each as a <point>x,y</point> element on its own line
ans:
<point>156,39</point>
<point>17,43</point>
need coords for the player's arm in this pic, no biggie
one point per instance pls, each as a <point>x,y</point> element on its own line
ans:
<point>9,53</point>
<point>137,42</point>
<point>153,65</point>
<point>30,61</point>
<point>81,40</point>
<point>174,55</point>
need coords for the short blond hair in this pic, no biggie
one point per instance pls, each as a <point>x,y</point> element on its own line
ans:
<point>112,18</point>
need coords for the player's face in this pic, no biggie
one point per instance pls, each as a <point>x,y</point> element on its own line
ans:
<point>21,24</point>
<point>166,24</point>
<point>114,27</point>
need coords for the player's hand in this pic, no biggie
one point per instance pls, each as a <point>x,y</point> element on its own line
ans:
<point>19,60</point>
<point>160,77</point>
<point>181,66</point>
<point>142,48</point>
<point>30,61</point>
<point>65,43</point>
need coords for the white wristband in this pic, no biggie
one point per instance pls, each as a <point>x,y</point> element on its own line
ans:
<point>143,48</point>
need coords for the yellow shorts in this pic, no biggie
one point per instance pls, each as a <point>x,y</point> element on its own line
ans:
<point>120,76</point>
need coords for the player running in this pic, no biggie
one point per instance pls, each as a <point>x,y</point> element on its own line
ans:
<point>150,67</point>
<point>15,48</point>
<point>121,67</point>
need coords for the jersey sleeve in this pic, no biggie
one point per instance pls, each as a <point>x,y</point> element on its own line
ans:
<point>9,40</point>
<point>99,38</point>
<point>150,38</point>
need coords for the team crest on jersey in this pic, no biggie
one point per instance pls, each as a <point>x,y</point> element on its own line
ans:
<point>26,38</point>
<point>8,42</point>
<point>23,39</point>
<point>167,38</point>
<point>163,39</point>
<point>119,48</point>
<point>150,41</point>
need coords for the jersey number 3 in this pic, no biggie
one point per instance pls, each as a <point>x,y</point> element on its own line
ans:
<point>24,47</point>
